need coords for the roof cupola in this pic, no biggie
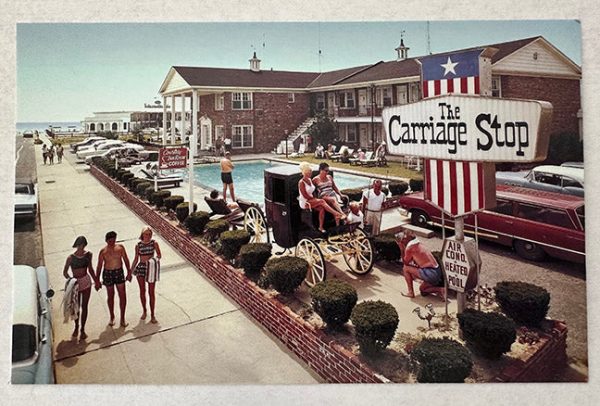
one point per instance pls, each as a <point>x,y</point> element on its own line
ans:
<point>254,63</point>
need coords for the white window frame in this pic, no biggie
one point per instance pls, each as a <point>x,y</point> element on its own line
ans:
<point>344,99</point>
<point>219,101</point>
<point>245,131</point>
<point>414,93</point>
<point>244,98</point>
<point>219,132</point>
<point>351,128</point>
<point>401,89</point>
<point>291,97</point>
<point>496,86</point>
<point>321,100</point>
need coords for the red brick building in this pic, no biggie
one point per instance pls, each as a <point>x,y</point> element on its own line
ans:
<point>258,109</point>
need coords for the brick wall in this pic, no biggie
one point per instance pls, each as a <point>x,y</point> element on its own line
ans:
<point>330,360</point>
<point>564,94</point>
<point>270,117</point>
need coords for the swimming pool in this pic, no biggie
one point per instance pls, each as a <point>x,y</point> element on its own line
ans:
<point>248,179</point>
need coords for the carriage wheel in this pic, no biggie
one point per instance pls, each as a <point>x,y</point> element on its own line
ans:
<point>308,250</point>
<point>256,224</point>
<point>358,253</point>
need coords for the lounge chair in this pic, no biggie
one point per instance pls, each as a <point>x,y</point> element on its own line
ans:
<point>220,210</point>
<point>300,152</point>
<point>338,156</point>
<point>164,181</point>
<point>328,154</point>
<point>369,160</point>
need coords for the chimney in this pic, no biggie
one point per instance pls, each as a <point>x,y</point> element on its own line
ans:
<point>402,51</point>
<point>254,63</point>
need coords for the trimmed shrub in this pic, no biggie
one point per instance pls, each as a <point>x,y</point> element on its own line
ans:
<point>416,185</point>
<point>491,334</point>
<point>353,194</point>
<point>375,324</point>
<point>441,360</point>
<point>214,228</point>
<point>121,175</point>
<point>132,184</point>
<point>285,274</point>
<point>126,178</point>
<point>254,256</point>
<point>159,197</point>
<point>333,300</point>
<point>398,188</point>
<point>148,193</point>
<point>523,302</point>
<point>232,241</point>
<point>172,201</point>
<point>182,210</point>
<point>385,247</point>
<point>140,188</point>
<point>196,222</point>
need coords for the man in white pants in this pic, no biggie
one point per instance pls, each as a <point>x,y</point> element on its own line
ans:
<point>372,202</point>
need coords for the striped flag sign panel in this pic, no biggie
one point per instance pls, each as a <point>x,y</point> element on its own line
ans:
<point>460,188</point>
<point>456,187</point>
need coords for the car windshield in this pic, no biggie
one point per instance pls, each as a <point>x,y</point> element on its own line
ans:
<point>23,342</point>
<point>581,214</point>
<point>21,188</point>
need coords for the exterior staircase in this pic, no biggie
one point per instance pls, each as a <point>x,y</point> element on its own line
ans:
<point>293,138</point>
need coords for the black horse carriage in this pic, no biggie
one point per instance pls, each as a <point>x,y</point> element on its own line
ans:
<point>295,227</point>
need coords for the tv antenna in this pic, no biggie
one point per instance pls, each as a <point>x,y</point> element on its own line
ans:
<point>320,53</point>
<point>428,40</point>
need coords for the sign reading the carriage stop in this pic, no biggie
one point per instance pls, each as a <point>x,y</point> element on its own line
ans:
<point>460,260</point>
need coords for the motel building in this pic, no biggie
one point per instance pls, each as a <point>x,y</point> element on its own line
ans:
<point>258,109</point>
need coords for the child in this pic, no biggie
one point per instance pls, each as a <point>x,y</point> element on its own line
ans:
<point>355,215</point>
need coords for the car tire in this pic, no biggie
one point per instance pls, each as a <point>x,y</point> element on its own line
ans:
<point>419,218</point>
<point>529,250</point>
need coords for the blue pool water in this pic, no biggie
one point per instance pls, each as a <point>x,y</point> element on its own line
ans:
<point>248,179</point>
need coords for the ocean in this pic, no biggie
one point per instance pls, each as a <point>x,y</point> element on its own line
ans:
<point>44,125</point>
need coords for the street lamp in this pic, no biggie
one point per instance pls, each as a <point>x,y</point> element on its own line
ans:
<point>286,143</point>
<point>372,88</point>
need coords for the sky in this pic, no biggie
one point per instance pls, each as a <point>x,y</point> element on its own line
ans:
<point>67,71</point>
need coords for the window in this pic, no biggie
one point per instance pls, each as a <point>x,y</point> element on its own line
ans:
<point>545,215</point>
<point>347,100</point>
<point>291,97</point>
<point>384,96</point>
<point>241,101</point>
<point>415,92</point>
<point>351,136</point>
<point>219,131</point>
<point>581,214</point>
<point>242,136</point>
<point>320,102</point>
<point>496,89</point>
<point>124,126</point>
<point>219,101</point>
<point>402,94</point>
<point>503,207</point>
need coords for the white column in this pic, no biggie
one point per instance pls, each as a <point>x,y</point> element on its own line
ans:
<point>183,130</point>
<point>194,138</point>
<point>164,136</point>
<point>173,119</point>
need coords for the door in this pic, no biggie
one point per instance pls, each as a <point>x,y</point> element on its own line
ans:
<point>362,102</point>
<point>205,133</point>
<point>402,94</point>
<point>331,103</point>
<point>364,135</point>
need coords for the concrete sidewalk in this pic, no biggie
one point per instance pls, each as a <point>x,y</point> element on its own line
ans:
<point>201,338</point>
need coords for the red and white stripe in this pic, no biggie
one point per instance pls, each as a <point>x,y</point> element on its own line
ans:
<point>468,85</point>
<point>455,186</point>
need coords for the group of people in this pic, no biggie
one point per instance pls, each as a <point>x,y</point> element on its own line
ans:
<point>48,153</point>
<point>222,145</point>
<point>111,259</point>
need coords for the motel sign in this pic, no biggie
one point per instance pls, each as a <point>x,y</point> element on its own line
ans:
<point>460,260</point>
<point>172,158</point>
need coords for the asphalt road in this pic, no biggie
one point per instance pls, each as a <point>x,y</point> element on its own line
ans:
<point>28,248</point>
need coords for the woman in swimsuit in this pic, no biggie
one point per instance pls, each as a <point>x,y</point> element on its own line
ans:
<point>80,263</point>
<point>308,201</point>
<point>144,250</point>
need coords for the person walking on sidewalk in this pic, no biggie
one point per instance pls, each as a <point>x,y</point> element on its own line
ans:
<point>226,176</point>
<point>372,204</point>
<point>110,263</point>
<point>146,268</point>
<point>51,154</point>
<point>59,153</point>
<point>45,153</point>
<point>80,263</point>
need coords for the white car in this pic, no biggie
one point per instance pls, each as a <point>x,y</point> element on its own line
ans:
<point>85,143</point>
<point>125,149</point>
<point>31,327</point>
<point>99,148</point>
<point>26,199</point>
<point>552,178</point>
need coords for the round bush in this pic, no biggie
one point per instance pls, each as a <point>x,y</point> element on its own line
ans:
<point>158,198</point>
<point>140,188</point>
<point>232,241</point>
<point>196,222</point>
<point>353,194</point>
<point>148,193</point>
<point>441,360</point>
<point>172,201</point>
<point>491,334</point>
<point>214,228</point>
<point>398,187</point>
<point>285,274</point>
<point>333,300</point>
<point>386,247</point>
<point>182,210</point>
<point>375,324</point>
<point>416,185</point>
<point>125,177</point>
<point>133,182</point>
<point>523,302</point>
<point>254,256</point>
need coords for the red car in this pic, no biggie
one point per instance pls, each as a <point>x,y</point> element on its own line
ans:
<point>535,223</point>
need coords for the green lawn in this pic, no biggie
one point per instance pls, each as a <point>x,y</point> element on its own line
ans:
<point>392,169</point>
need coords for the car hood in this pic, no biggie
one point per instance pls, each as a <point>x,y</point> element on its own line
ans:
<point>511,175</point>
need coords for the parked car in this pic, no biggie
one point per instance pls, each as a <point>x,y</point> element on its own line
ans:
<point>122,150</point>
<point>26,199</point>
<point>28,134</point>
<point>98,148</point>
<point>534,223</point>
<point>32,326</point>
<point>552,178</point>
<point>88,141</point>
<point>573,164</point>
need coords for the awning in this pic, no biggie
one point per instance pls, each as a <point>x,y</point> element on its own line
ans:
<point>361,119</point>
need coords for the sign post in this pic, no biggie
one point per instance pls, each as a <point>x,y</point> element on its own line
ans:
<point>174,158</point>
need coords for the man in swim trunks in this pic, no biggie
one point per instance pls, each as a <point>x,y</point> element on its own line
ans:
<point>419,263</point>
<point>226,178</point>
<point>110,263</point>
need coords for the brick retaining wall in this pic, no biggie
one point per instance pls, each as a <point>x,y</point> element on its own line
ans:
<point>330,360</point>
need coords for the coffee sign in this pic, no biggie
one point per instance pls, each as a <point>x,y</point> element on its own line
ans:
<point>470,128</point>
<point>172,158</point>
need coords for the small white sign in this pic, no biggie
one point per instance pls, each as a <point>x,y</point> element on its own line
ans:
<point>460,260</point>
<point>470,128</point>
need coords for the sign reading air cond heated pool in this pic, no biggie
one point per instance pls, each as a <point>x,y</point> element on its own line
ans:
<point>460,260</point>
<point>172,158</point>
<point>470,128</point>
